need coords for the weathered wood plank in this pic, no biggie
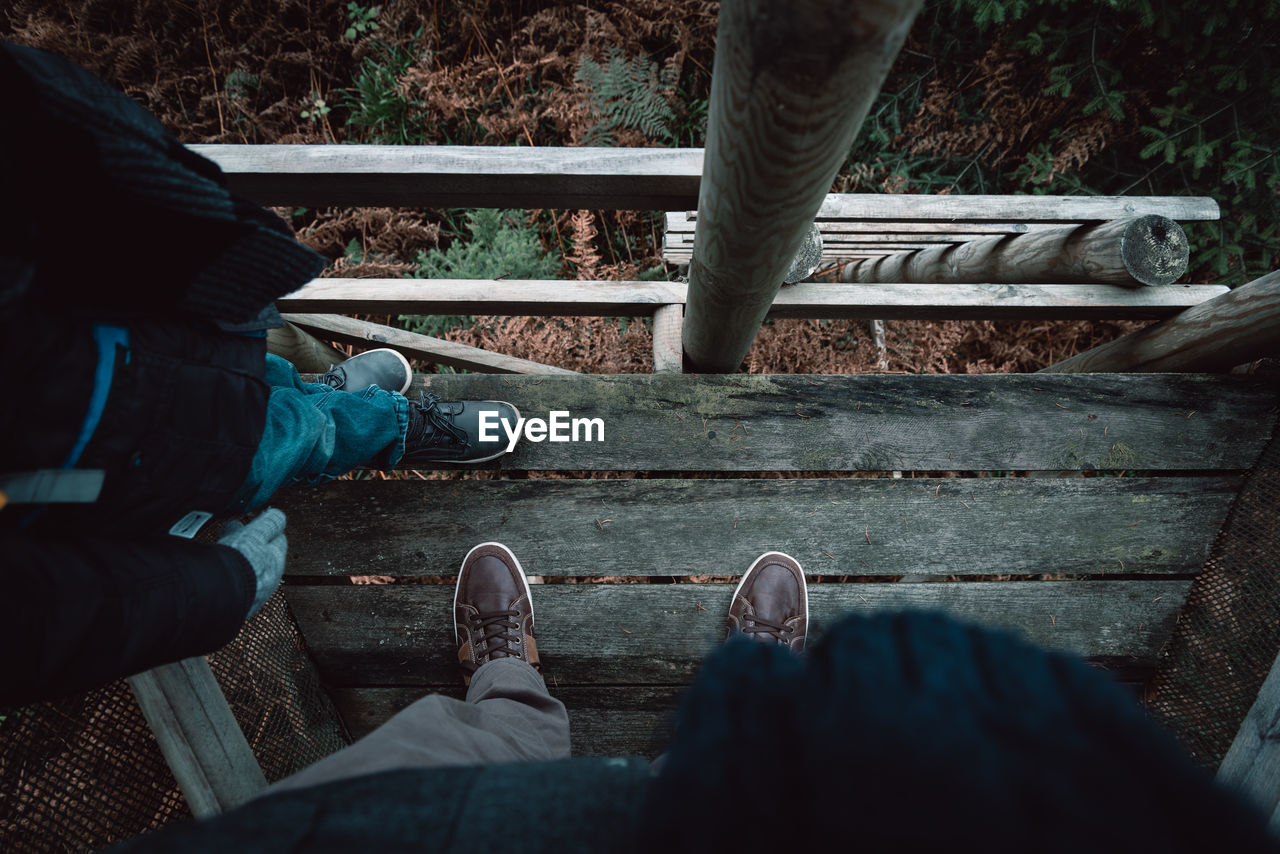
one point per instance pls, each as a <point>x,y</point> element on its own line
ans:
<point>461,176</point>
<point>306,353</point>
<point>787,99</point>
<point>930,527</point>
<point>872,422</point>
<point>1216,335</point>
<point>808,300</point>
<point>198,735</point>
<point>614,721</point>
<point>668,345</point>
<point>435,350</point>
<point>1252,765</point>
<point>1148,250</point>
<point>481,296</point>
<point>637,634</point>
<point>597,178</point>
<point>681,225</point>
<point>876,207</point>
<point>988,302</point>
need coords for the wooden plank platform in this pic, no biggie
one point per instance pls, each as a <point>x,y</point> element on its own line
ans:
<point>941,526</point>
<point>874,422</point>
<point>654,634</point>
<point>446,176</point>
<point>807,300</point>
<point>618,655</point>
<point>1097,565</point>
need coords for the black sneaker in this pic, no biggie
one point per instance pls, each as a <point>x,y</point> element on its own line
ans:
<point>449,431</point>
<point>384,368</point>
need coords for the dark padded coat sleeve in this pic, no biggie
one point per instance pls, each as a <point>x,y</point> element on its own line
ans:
<point>191,245</point>
<point>75,614</point>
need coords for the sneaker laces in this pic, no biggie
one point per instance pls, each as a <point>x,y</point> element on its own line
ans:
<point>432,427</point>
<point>335,377</point>
<point>763,625</point>
<point>497,639</point>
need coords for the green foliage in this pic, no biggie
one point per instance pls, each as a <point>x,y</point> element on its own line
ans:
<point>1132,97</point>
<point>502,246</point>
<point>239,84</point>
<point>377,106</point>
<point>317,109</point>
<point>628,93</point>
<point>360,21</point>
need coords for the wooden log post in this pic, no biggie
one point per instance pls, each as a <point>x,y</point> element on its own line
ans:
<point>1148,250</point>
<point>1237,327</point>
<point>307,353</point>
<point>792,82</point>
<point>668,352</point>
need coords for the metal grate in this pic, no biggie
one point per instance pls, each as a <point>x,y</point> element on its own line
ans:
<point>82,772</point>
<point>1228,633</point>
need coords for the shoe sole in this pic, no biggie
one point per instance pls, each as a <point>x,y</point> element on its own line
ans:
<point>408,369</point>
<point>804,584</point>
<point>523,581</point>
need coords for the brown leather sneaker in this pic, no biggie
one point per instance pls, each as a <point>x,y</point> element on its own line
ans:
<point>492,611</point>
<point>771,603</point>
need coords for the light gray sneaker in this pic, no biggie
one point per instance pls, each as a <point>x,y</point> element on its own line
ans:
<point>385,368</point>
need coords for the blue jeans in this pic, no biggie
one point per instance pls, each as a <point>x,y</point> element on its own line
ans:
<point>315,433</point>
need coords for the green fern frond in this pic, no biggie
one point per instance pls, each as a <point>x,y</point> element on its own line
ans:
<point>628,93</point>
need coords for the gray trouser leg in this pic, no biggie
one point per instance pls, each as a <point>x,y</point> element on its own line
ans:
<point>507,716</point>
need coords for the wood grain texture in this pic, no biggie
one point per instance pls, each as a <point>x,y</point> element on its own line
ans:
<point>870,422</point>
<point>481,296</point>
<point>435,350</point>
<point>1252,764</point>
<point>654,634</point>
<point>461,176</point>
<point>792,82</point>
<point>198,735</point>
<point>1148,250</point>
<point>806,300</point>
<point>612,721</point>
<point>1004,214</point>
<point>305,352</point>
<point>668,346</point>
<point>906,208</point>
<point>1216,335</point>
<point>929,527</point>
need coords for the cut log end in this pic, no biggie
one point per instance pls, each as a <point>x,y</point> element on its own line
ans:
<point>1155,250</point>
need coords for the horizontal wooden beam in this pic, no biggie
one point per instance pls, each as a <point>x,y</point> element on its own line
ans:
<point>1236,327</point>
<point>644,634</point>
<point>461,176</point>
<point>624,720</point>
<point>870,422</point>
<point>851,526</point>
<point>435,350</point>
<point>603,721</point>
<point>876,207</point>
<point>481,296</point>
<point>598,178</point>
<point>807,300</point>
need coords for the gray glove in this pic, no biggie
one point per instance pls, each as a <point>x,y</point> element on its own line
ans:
<point>263,544</point>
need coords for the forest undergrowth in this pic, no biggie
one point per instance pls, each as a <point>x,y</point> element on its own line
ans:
<point>988,96</point>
